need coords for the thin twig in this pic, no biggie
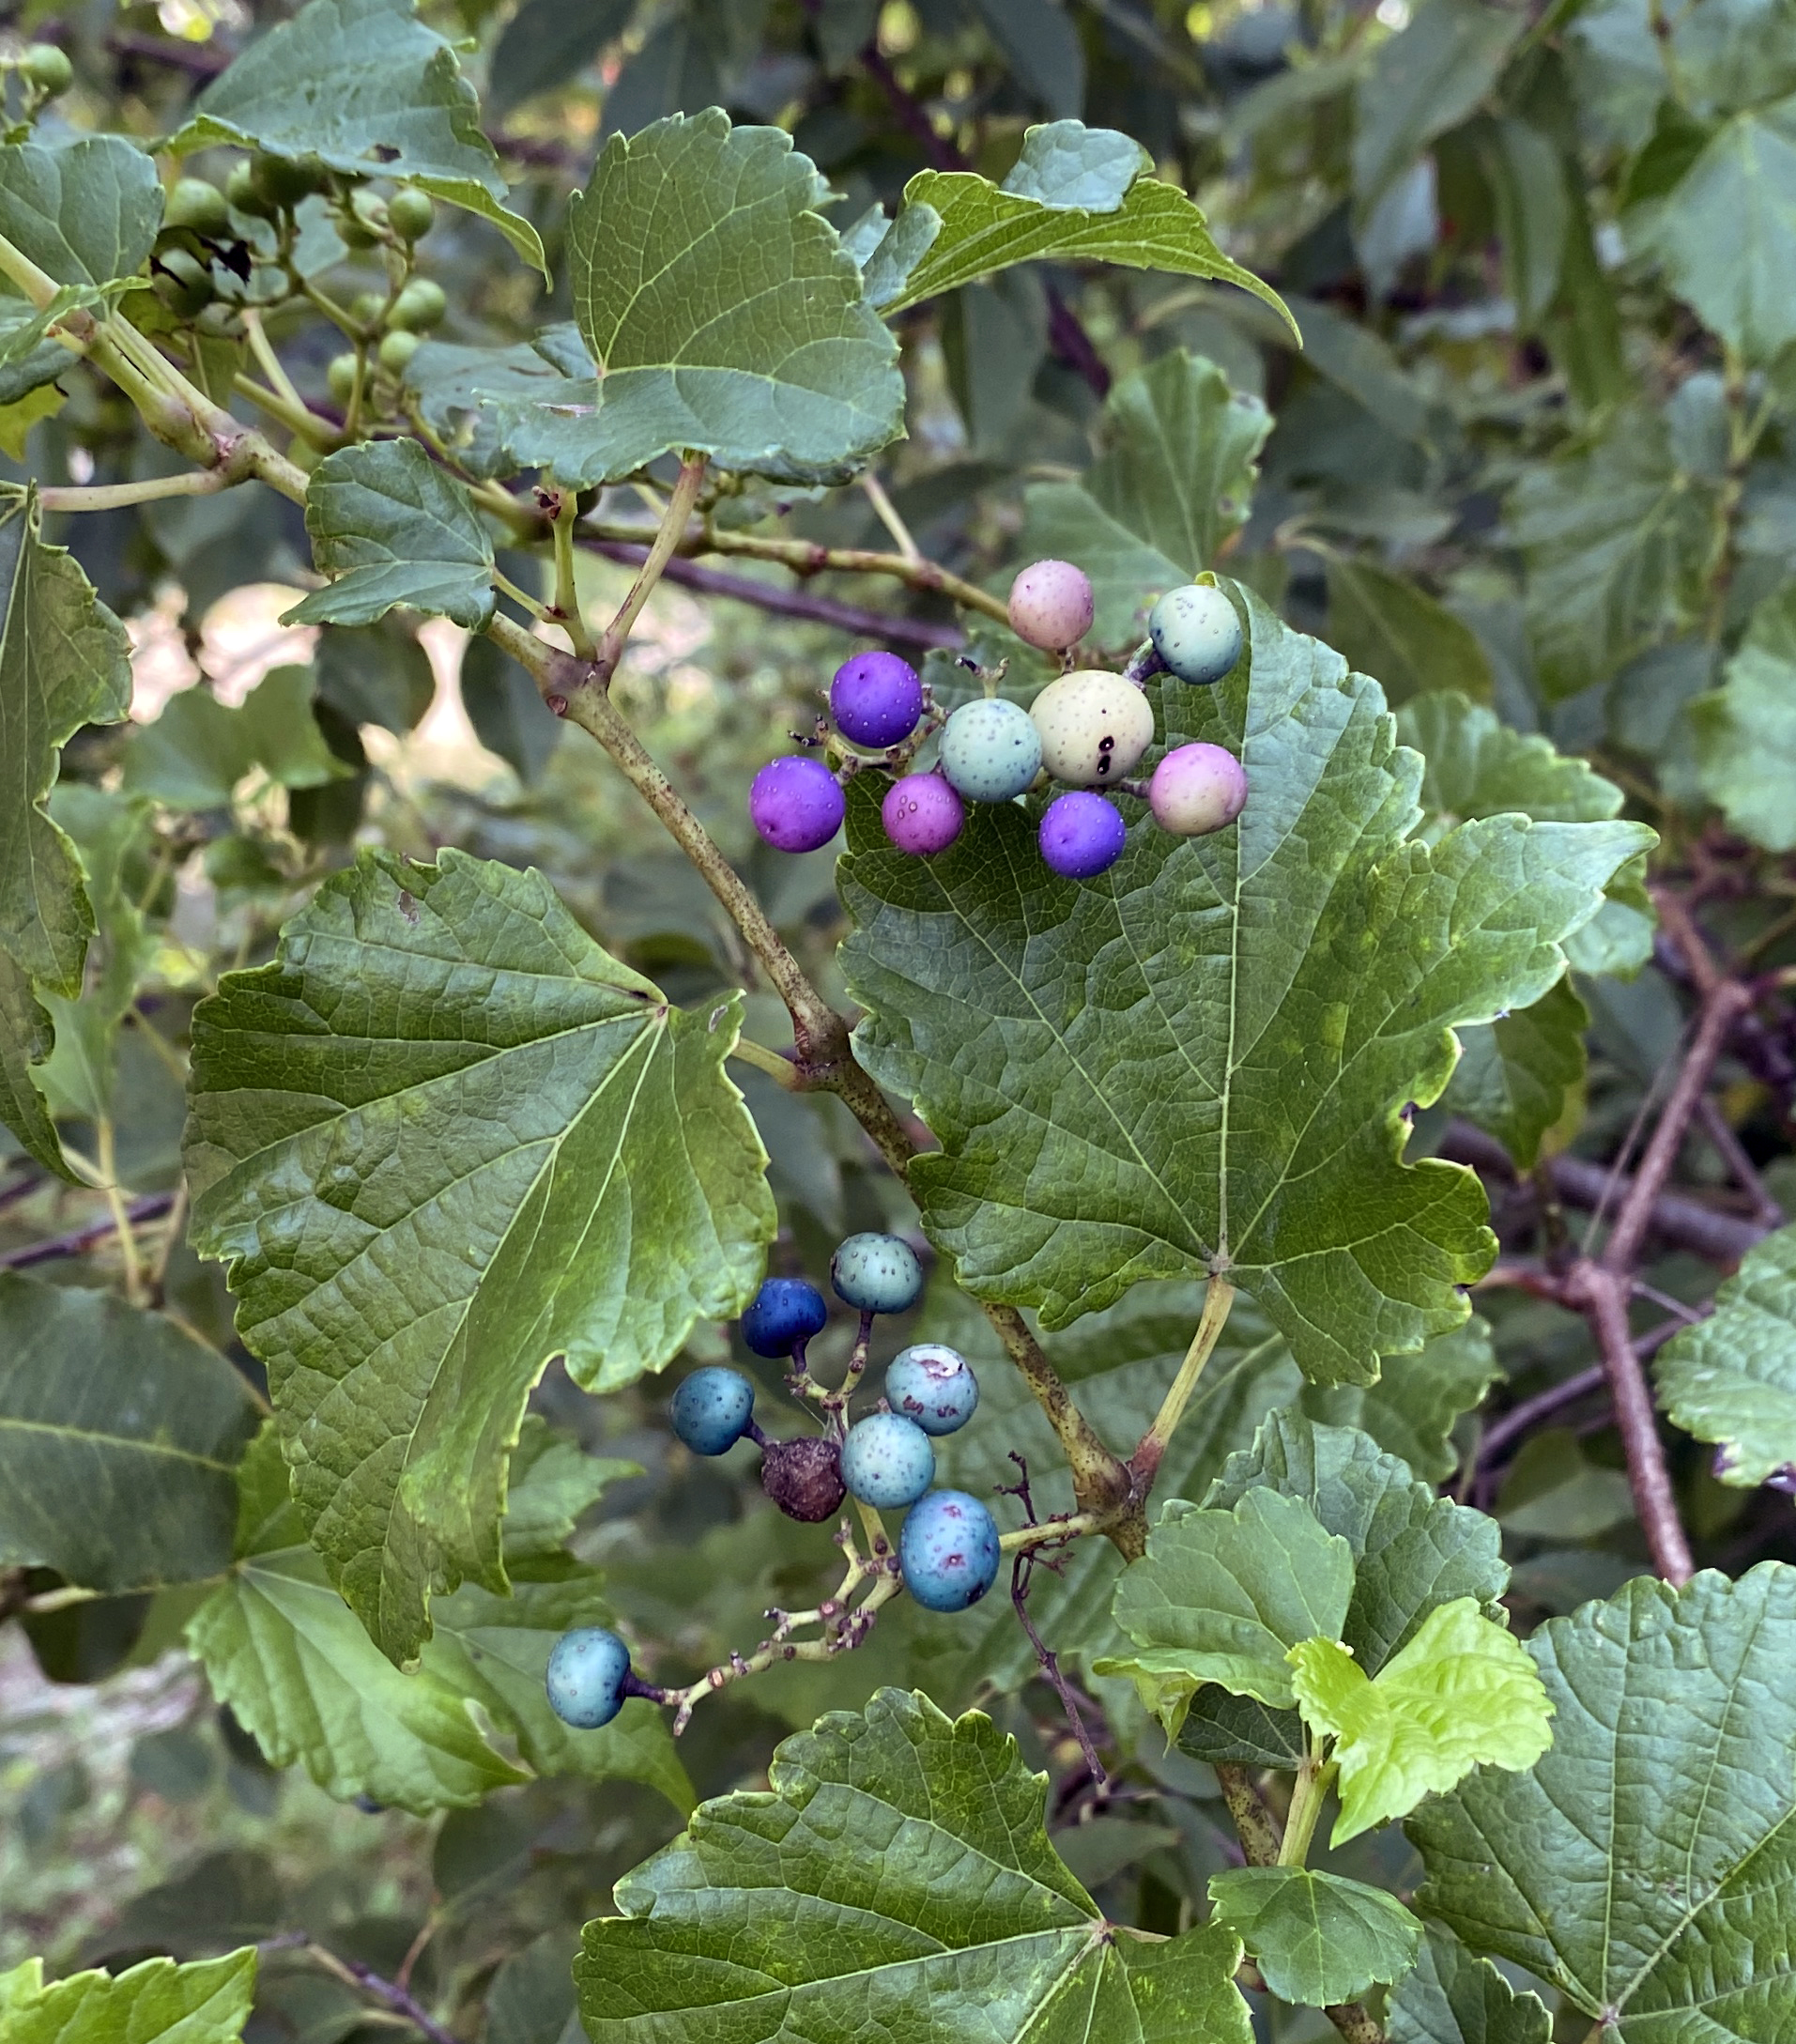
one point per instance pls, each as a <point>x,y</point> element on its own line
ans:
<point>119,496</point>
<point>151,1207</point>
<point>1022,1570</point>
<point>888,515</point>
<point>352,1972</point>
<point>673,526</point>
<point>1741,1168</point>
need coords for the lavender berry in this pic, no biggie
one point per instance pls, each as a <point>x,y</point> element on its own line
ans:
<point>1050,605</point>
<point>922,814</point>
<point>796,804</point>
<point>1081,835</point>
<point>1196,789</point>
<point>876,699</point>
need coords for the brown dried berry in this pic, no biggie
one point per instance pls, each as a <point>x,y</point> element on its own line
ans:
<point>803,1478</point>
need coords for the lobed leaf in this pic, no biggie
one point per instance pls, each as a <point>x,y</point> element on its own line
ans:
<point>196,752</point>
<point>206,2002</point>
<point>1422,82</point>
<point>1386,625</point>
<point>1731,1378</point>
<point>1747,728</point>
<point>1412,1409</point>
<point>1453,1998</point>
<point>1317,1938</point>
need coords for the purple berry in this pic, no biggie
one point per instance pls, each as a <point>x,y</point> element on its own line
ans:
<point>1197,789</point>
<point>1050,605</point>
<point>922,814</point>
<point>1081,835</point>
<point>876,699</point>
<point>796,804</point>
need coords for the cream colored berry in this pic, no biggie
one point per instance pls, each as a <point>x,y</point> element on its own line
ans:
<point>1094,728</point>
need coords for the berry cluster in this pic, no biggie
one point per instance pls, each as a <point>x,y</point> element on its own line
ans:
<point>1088,730</point>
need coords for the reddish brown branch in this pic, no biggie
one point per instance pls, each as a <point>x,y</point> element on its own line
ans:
<point>152,1207</point>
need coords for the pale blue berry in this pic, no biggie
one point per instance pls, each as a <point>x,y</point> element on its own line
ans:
<point>712,1410</point>
<point>990,751</point>
<point>933,1385</point>
<point>948,1550</point>
<point>1196,632</point>
<point>887,1461</point>
<point>877,1273</point>
<point>586,1676</point>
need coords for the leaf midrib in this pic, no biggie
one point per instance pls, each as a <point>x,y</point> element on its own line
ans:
<point>121,1442</point>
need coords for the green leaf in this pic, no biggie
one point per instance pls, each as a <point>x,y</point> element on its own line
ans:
<point>382,676</point>
<point>1076,194</point>
<point>393,528</point>
<point>367,89</point>
<point>119,1439</point>
<point>1175,480</point>
<point>1291,981</point>
<point>546,44</point>
<point>507,710</point>
<point>1411,1410</point>
<point>1533,213</point>
<point>1039,42</point>
<point>25,1041</point>
<point>723,312</point>
<point>1515,1078</point>
<point>1641,1867</point>
<point>196,752</point>
<point>206,2002</point>
<point>1220,1596</point>
<point>1317,1938</point>
<point>1462,1694</point>
<point>1731,1380</point>
<point>1387,627</point>
<point>1747,728</point>
<point>486,404</point>
<point>1452,1998</point>
<point>442,1137</point>
<point>1424,81</point>
<point>895,1877</point>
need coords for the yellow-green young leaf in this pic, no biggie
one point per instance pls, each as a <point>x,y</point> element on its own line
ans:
<point>1644,1865</point>
<point>195,753</point>
<point>363,86</point>
<point>441,1139</point>
<point>1076,194</point>
<point>1462,1694</point>
<point>1746,730</point>
<point>1387,627</point>
<point>1221,1596</point>
<point>895,1880</point>
<point>1731,1380</point>
<point>206,2002</point>
<point>1202,1060</point>
<point>1317,1938</point>
<point>1452,1998</point>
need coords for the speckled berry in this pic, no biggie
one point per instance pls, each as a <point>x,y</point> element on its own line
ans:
<point>586,1676</point>
<point>876,699</point>
<point>1081,835</point>
<point>922,814</point>
<point>1094,728</point>
<point>804,1477</point>
<point>887,1461</point>
<point>785,1311</point>
<point>712,1409</point>
<point>990,751</point>
<point>796,804</point>
<point>948,1550</point>
<point>1197,632</point>
<point>1197,789</point>
<point>877,1273</point>
<point>1050,605</point>
<point>933,1385</point>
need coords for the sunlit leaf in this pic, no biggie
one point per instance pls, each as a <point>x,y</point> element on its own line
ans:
<point>206,2002</point>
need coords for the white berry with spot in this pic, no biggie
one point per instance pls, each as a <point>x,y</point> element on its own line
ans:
<point>1094,728</point>
<point>1052,605</point>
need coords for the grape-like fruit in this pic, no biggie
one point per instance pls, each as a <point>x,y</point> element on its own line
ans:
<point>796,803</point>
<point>1094,728</point>
<point>48,68</point>
<point>887,1461</point>
<point>804,1477</point>
<point>922,814</point>
<point>283,182</point>
<point>411,213</point>
<point>785,1311</point>
<point>340,376</point>
<point>240,189</point>
<point>421,305</point>
<point>193,202</point>
<point>877,1273</point>
<point>712,1409</point>
<point>1197,789</point>
<point>586,1676</point>
<point>1050,605</point>
<point>1196,632</point>
<point>1081,835</point>
<point>876,699</point>
<point>933,1385</point>
<point>396,351</point>
<point>990,751</point>
<point>948,1550</point>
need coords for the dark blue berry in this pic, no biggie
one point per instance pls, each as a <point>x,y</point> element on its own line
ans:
<point>948,1550</point>
<point>785,1311</point>
<point>712,1410</point>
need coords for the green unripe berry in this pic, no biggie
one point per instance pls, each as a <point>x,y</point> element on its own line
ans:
<point>282,181</point>
<point>367,306</point>
<point>241,191</point>
<point>355,232</point>
<point>48,68</point>
<point>340,376</point>
<point>185,283</point>
<point>396,351</point>
<point>421,305</point>
<point>411,213</point>
<point>193,202</point>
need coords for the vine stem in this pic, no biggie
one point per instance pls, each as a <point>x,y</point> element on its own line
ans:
<point>563,509</point>
<point>128,1250</point>
<point>1315,1777</point>
<point>352,1972</point>
<point>116,495</point>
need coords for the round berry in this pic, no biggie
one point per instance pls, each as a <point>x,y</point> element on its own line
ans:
<point>1197,632</point>
<point>877,1273</point>
<point>922,814</point>
<point>396,351</point>
<point>948,1550</point>
<point>241,190</point>
<point>887,1461</point>
<point>284,181</point>
<point>340,376</point>
<point>193,202</point>
<point>1050,605</point>
<point>1197,789</point>
<point>586,1676</point>
<point>712,1410</point>
<point>990,751</point>
<point>876,699</point>
<point>804,1477</point>
<point>1094,728</point>
<point>785,1311</point>
<point>48,68</point>
<point>1081,835</point>
<point>933,1385</point>
<point>421,305</point>
<point>411,213</point>
<point>796,803</point>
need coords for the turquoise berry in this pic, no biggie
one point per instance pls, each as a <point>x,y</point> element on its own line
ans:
<point>887,1461</point>
<point>990,751</point>
<point>948,1550</point>
<point>712,1410</point>
<point>586,1676</point>
<point>876,1274</point>
<point>1197,632</point>
<point>933,1385</point>
<point>785,1311</point>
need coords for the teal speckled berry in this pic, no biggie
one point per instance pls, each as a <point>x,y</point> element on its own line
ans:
<point>948,1550</point>
<point>887,1461</point>
<point>933,1385</point>
<point>877,1273</point>
<point>712,1409</point>
<point>586,1676</point>
<point>990,751</point>
<point>1196,632</point>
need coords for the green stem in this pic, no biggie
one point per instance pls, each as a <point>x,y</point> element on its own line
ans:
<point>667,541</point>
<point>1219,1297</point>
<point>116,495</point>
<point>1314,1779</point>
<point>779,1069</point>
<point>534,605</point>
<point>567,612</point>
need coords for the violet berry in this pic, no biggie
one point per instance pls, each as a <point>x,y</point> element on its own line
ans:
<point>1050,605</point>
<point>796,804</point>
<point>1196,789</point>
<point>922,814</point>
<point>1081,835</point>
<point>876,699</point>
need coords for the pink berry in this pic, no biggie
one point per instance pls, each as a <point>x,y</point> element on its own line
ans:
<point>1081,835</point>
<point>922,814</point>
<point>1050,605</point>
<point>1197,789</point>
<point>876,699</point>
<point>796,804</point>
